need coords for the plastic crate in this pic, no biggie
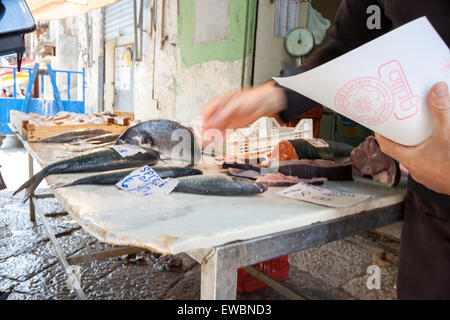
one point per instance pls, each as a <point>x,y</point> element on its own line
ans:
<point>277,269</point>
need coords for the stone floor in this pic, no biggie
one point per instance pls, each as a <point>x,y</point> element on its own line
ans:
<point>29,269</point>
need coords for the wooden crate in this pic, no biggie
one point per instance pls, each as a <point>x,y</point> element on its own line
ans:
<point>125,114</point>
<point>36,133</point>
<point>32,132</point>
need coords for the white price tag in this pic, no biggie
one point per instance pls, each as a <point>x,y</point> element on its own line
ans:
<point>145,181</point>
<point>126,150</point>
<point>326,197</point>
<point>318,143</point>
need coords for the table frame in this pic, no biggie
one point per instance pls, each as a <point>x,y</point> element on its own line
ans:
<point>219,264</point>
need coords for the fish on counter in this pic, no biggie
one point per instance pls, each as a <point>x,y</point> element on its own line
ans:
<point>220,185</point>
<point>75,135</point>
<point>303,169</point>
<point>164,136</point>
<point>101,160</point>
<point>114,176</point>
<point>100,139</point>
<point>368,160</point>
<point>298,149</point>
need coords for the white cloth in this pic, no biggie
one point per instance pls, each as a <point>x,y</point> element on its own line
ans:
<point>317,24</point>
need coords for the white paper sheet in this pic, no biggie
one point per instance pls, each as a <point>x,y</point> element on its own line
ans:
<point>325,197</point>
<point>383,84</point>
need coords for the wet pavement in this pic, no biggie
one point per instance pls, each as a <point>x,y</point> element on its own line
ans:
<point>29,268</point>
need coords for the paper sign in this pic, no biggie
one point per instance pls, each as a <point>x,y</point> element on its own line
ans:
<point>145,181</point>
<point>326,197</point>
<point>318,143</point>
<point>126,150</point>
<point>384,84</point>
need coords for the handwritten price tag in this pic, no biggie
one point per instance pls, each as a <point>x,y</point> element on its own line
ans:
<point>126,150</point>
<point>145,181</point>
<point>322,196</point>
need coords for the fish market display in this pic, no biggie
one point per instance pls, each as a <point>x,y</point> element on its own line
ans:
<point>100,160</point>
<point>112,177</point>
<point>75,135</point>
<point>165,136</point>
<point>219,185</point>
<point>368,160</point>
<point>310,149</point>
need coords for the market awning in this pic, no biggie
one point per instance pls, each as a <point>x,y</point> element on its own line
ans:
<point>59,9</point>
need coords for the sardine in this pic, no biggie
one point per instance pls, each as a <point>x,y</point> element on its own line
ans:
<point>171,139</point>
<point>219,186</point>
<point>112,177</point>
<point>74,135</point>
<point>100,160</point>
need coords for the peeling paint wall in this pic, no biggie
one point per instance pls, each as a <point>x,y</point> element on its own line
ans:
<point>206,70</point>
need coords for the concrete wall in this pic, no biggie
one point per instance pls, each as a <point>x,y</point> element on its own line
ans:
<point>269,50</point>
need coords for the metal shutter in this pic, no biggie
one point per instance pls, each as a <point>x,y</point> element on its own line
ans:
<point>119,19</point>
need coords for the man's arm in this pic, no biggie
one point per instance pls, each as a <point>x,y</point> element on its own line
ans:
<point>348,32</point>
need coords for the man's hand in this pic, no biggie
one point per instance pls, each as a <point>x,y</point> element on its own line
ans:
<point>237,110</point>
<point>429,162</point>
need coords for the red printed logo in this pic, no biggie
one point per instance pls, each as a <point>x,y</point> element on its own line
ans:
<point>367,100</point>
<point>392,73</point>
<point>371,101</point>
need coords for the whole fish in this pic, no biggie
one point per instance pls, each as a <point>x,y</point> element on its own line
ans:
<point>112,177</point>
<point>104,138</point>
<point>170,138</point>
<point>100,160</point>
<point>74,135</point>
<point>219,186</point>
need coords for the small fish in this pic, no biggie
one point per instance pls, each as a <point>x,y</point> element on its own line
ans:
<point>100,160</point>
<point>219,186</point>
<point>170,138</point>
<point>112,177</point>
<point>74,135</point>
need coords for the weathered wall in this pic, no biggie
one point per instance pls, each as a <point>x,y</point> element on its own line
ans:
<point>205,70</point>
<point>175,77</point>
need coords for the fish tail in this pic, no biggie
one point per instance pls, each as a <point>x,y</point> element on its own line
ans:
<point>32,184</point>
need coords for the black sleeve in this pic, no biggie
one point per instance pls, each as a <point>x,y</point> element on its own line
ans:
<point>348,32</point>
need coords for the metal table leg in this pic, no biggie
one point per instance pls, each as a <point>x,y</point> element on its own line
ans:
<point>61,256</point>
<point>219,275</point>
<point>30,174</point>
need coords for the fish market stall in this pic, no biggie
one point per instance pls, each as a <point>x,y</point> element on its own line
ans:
<point>222,233</point>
